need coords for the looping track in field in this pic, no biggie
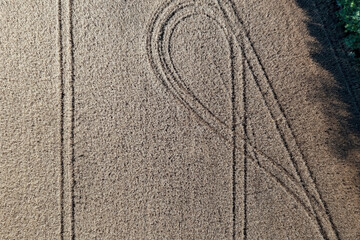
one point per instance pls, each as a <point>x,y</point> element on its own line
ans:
<point>300,185</point>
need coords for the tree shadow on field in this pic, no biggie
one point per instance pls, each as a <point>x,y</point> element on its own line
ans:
<point>341,101</point>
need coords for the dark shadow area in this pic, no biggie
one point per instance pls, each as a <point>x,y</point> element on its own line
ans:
<point>341,101</point>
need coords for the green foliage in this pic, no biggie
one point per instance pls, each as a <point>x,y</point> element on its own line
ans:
<point>350,17</point>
